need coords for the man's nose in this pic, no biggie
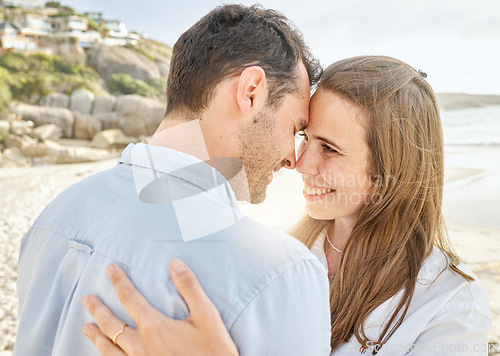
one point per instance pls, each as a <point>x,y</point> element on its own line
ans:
<point>290,161</point>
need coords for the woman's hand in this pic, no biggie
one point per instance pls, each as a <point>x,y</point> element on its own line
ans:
<point>201,333</point>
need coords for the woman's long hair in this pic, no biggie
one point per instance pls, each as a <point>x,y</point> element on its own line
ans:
<point>396,231</point>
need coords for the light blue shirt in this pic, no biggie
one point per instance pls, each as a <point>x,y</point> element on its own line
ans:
<point>157,204</point>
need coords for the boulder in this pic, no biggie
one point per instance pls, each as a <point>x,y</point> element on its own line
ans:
<point>109,120</point>
<point>24,143</point>
<point>21,127</point>
<point>58,100</point>
<point>16,156</point>
<point>132,125</point>
<point>148,110</point>
<point>82,101</point>
<point>109,60</point>
<point>104,104</point>
<point>53,152</point>
<point>4,129</point>
<point>114,138</point>
<point>7,116</point>
<point>47,132</point>
<point>86,126</point>
<point>164,67</point>
<point>46,115</point>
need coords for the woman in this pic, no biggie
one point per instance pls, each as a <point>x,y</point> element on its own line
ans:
<point>372,166</point>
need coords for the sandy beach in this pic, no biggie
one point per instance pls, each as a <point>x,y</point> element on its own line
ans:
<point>25,191</point>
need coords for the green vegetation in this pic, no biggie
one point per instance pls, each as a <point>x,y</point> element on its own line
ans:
<point>152,49</point>
<point>5,93</point>
<point>63,9</point>
<point>25,77</point>
<point>123,83</point>
<point>31,77</point>
<point>53,4</point>
<point>140,50</point>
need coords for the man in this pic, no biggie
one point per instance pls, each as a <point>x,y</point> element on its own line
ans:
<point>237,92</point>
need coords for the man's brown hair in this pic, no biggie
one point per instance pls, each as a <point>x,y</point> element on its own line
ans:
<point>226,41</point>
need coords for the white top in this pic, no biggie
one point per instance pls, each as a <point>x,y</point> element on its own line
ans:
<point>448,317</point>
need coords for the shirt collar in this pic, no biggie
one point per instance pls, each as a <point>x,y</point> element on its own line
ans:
<point>164,160</point>
<point>197,186</point>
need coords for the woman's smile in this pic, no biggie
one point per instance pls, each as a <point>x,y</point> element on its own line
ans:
<point>316,193</point>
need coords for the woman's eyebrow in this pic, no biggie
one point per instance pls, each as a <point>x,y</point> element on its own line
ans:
<point>330,142</point>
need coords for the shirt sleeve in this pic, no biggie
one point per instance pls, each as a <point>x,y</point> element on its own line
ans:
<point>290,316</point>
<point>457,332</point>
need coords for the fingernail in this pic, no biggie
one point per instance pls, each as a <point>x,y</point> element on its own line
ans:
<point>87,329</point>
<point>111,270</point>
<point>178,266</point>
<point>86,300</point>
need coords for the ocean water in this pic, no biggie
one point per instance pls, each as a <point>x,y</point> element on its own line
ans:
<point>475,126</point>
<point>472,141</point>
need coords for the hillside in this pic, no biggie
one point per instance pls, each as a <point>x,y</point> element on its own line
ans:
<point>140,69</point>
<point>456,101</point>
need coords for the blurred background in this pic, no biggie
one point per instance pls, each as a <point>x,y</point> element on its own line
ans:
<point>81,79</point>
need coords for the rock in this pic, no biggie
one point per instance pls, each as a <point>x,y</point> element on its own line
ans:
<point>132,125</point>
<point>104,104</point>
<point>136,106</point>
<point>46,115</point>
<point>47,132</point>
<point>82,101</point>
<point>7,116</point>
<point>53,152</point>
<point>15,154</point>
<point>21,127</point>
<point>58,100</point>
<point>109,60</point>
<point>63,46</point>
<point>109,120</point>
<point>114,138</point>
<point>164,67</point>
<point>457,101</point>
<point>4,129</point>
<point>86,126</point>
<point>24,143</point>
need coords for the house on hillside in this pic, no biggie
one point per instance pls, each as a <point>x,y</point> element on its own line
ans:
<point>38,24</point>
<point>12,37</point>
<point>116,32</point>
<point>25,4</point>
<point>47,29</point>
<point>95,16</point>
<point>118,35</point>
<point>75,27</point>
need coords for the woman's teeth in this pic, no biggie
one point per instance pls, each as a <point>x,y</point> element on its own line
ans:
<point>316,191</point>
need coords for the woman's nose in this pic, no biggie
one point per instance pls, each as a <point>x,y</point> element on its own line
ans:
<point>306,162</point>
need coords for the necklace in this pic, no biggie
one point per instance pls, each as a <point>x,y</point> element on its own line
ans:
<point>328,239</point>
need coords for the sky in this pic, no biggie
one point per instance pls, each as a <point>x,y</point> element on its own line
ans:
<point>456,42</point>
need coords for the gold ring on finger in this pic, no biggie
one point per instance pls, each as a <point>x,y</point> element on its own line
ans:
<point>119,333</point>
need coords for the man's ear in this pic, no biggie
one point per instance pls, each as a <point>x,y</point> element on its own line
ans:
<point>251,95</point>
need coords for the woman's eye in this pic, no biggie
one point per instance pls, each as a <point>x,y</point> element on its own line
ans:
<point>329,149</point>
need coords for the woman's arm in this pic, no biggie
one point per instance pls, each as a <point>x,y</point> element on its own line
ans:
<point>201,333</point>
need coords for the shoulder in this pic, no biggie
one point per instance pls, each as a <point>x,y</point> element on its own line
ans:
<point>440,282</point>
<point>266,244</point>
<point>84,194</point>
